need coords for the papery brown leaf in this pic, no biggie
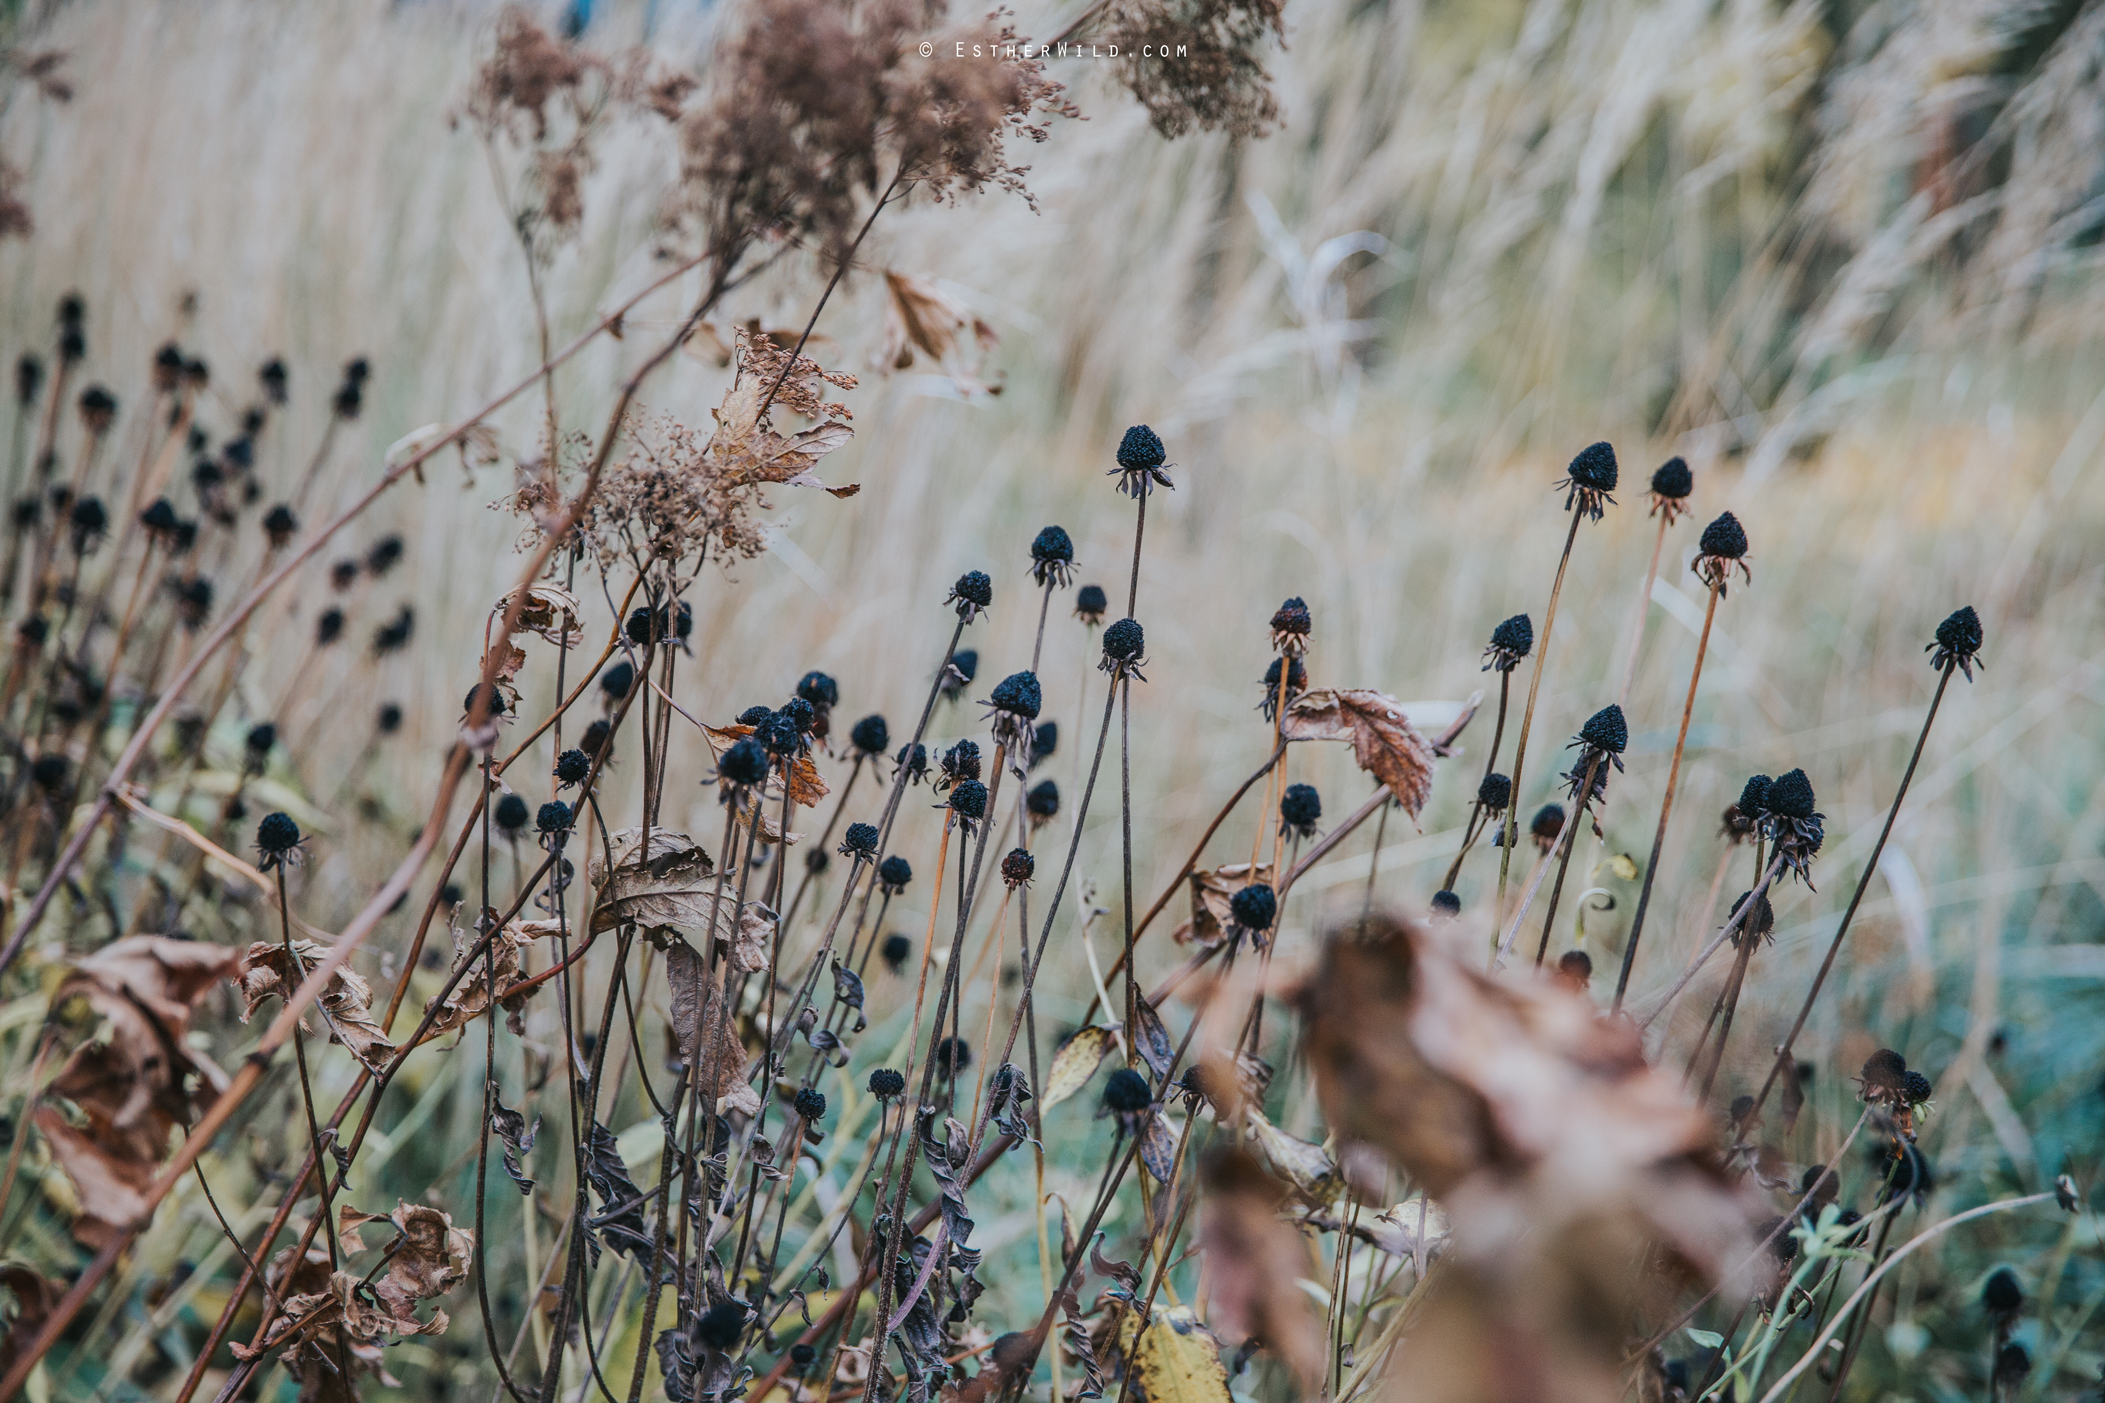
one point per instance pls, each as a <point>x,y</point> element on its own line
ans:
<point>1384,741</point>
<point>470,998</point>
<point>745,448</point>
<point>1075,1063</point>
<point>708,1040</point>
<point>1311,1172</point>
<point>345,1005</point>
<point>674,884</point>
<point>110,1175</point>
<point>806,785</point>
<point>1252,1263</point>
<point>1211,892</point>
<point>1158,1147</point>
<point>34,1299</point>
<point>550,611</point>
<point>921,317</point>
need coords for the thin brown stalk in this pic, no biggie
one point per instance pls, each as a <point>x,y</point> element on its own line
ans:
<point>1527,716</point>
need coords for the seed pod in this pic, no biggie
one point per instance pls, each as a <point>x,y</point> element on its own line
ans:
<point>1254,907</point>
<point>972,594</point>
<point>1958,641</point>
<point>1018,867</point>
<point>571,767</point>
<point>756,716</point>
<point>953,1055</point>
<point>860,841</point>
<point>1126,1092</point>
<point>1672,480</point>
<point>1090,603</point>
<point>390,718</point>
<point>1790,795</point>
<point>811,1105</point>
<point>511,814</point>
<point>820,690</point>
<point>885,1083</point>
<point>1299,809</point>
<point>1495,793</point>
<point>1052,556</point>
<point>1884,1072</point>
<point>280,525</point>
<point>968,800</point>
<point>870,735</point>
<point>1510,642</point>
<point>744,764</point>
<point>721,1325</point>
<point>276,838</point>
<point>895,872</point>
<point>1124,641</point>
<point>1019,695</point>
<point>896,948</point>
<point>1291,626</point>
<point>1446,905</point>
<point>554,817</point>
<point>1043,802</point>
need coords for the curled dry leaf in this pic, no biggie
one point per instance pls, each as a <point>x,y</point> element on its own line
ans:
<point>1572,1171</point>
<point>470,998</point>
<point>1211,892</point>
<point>707,1039</point>
<point>805,785</point>
<point>1158,1147</point>
<point>745,448</point>
<point>1075,1063</point>
<point>1311,1172</point>
<point>1384,741</point>
<point>919,316</point>
<point>1253,1260</point>
<point>549,611</point>
<point>346,1002</point>
<point>34,1297</point>
<point>672,883</point>
<point>136,1079</point>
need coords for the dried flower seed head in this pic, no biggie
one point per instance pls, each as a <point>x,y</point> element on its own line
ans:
<point>1754,796</point>
<point>972,594</point>
<point>26,513</point>
<point>278,840</point>
<point>801,715</point>
<point>1127,1092</point>
<point>968,800</point>
<point>1789,796</point>
<point>29,377</point>
<point>1018,867</point>
<point>1671,482</point>
<point>389,718</point>
<point>1882,1076</point>
<point>1510,642</point>
<point>870,736</point>
<point>1722,550</point>
<point>32,632</point>
<point>1042,803</point>
<point>72,309</point>
<point>961,762</point>
<point>802,1357</point>
<point>394,636</point>
<point>756,716</point>
<point>1916,1089</point>
<point>1589,480</point>
<point>1494,793</point>
<point>89,520</point>
<point>1291,626</point>
<point>953,1055</point>
<point>894,873</point>
<point>384,556</point>
<point>816,861</point>
<point>1606,730</point>
<point>1141,459</point>
<point>1124,644</point>
<point>1052,557</point>
<point>571,767</point>
<point>98,409</point>
<point>2013,1365</point>
<point>280,525</point>
<point>492,698</point>
<point>1547,826</point>
<point>860,841</point>
<point>638,629</point>
<point>511,814</point>
<point>1090,602</point>
<point>897,948</point>
<point>1300,808</point>
<point>958,673</point>
<point>912,759</point>
<point>193,602</point>
<point>343,574</point>
<point>159,519</point>
<point>744,765</point>
<point>2002,1293</point>
<point>1958,642</point>
<point>1019,695</point>
<point>598,739</point>
<point>818,690</point>
<point>1045,739</point>
<point>810,1105</point>
<point>50,772</point>
<point>1759,922</point>
<point>261,738</point>
<point>1904,1172</point>
<point>1446,906</point>
<point>1601,742</point>
<point>618,681</point>
<point>1011,708</point>
<point>1296,684</point>
<point>721,1325</point>
<point>73,346</point>
<point>553,818</point>
<point>273,378</point>
<point>239,455</point>
<point>1575,970</point>
<point>885,1083</point>
<point>1254,907</point>
<point>1735,827</point>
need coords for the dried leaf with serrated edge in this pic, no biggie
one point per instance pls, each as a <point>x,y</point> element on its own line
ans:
<point>1211,892</point>
<point>806,786</point>
<point>345,1005</point>
<point>919,316</point>
<point>673,884</point>
<point>1253,1261</point>
<point>470,998</point>
<point>1313,1173</point>
<point>1384,741</point>
<point>550,611</point>
<point>745,448</point>
<point>1075,1063</point>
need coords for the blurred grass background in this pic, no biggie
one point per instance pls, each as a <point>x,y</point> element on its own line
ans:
<point>1842,256</point>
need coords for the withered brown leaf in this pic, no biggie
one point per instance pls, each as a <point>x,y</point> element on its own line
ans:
<point>470,998</point>
<point>1253,1260</point>
<point>673,884</point>
<point>550,612</point>
<point>346,1002</point>
<point>1211,892</point>
<point>1384,741</point>
<point>1075,1063</point>
<point>707,1039</point>
<point>806,787</point>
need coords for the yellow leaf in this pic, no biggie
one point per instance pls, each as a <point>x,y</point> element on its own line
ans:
<point>1177,1361</point>
<point>1075,1063</point>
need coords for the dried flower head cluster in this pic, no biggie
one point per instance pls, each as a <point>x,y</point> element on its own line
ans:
<point>1217,80</point>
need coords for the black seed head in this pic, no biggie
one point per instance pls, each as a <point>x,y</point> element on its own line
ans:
<point>571,767</point>
<point>1672,480</point>
<point>328,627</point>
<point>756,716</point>
<point>1884,1071</point>
<point>343,574</point>
<point>972,593</point>
<point>1447,904</point>
<point>1724,539</point>
<point>50,772</point>
<point>721,1325</point>
<point>1548,823</point>
<point>1124,641</point>
<point>1300,808</point>
<point>384,556</point>
<point>1754,796</point>
<point>745,763</point>
<point>276,837</point>
<point>2013,1365</point>
<point>261,737</point>
<point>861,840</point>
<point>1291,621</point>
<point>820,690</point>
<point>90,518</point>
<point>1915,1088</point>
<point>33,630</point>
<point>968,800</point>
<point>160,517</point>
<point>554,817</point>
<point>617,680</point>
<point>1019,695</point>
<point>1495,793</point>
<point>98,408</point>
<point>913,759</point>
<point>1790,795</point>
<point>1052,556</point>
<point>1141,449</point>
<point>1510,642</point>
<point>597,738</point>
<point>1017,867</point>
<point>1045,739</point>
<point>1126,1091</point>
<point>1090,603</point>
<point>272,376</point>
<point>1959,641</point>
<point>870,736</point>
<point>495,700</point>
<point>1576,967</point>
<point>511,813</point>
<point>638,627</point>
<point>799,713</point>
<point>1254,907</point>
<point>961,761</point>
<point>886,1083</point>
<point>895,872</point>
<point>280,525</point>
<point>816,861</point>
<point>896,949</point>
<point>29,378</point>
<point>811,1105</point>
<point>1606,730</point>
<point>390,718</point>
<point>1043,802</point>
<point>953,1055</point>
<point>803,1356</point>
<point>1594,468</point>
<point>2002,1293</point>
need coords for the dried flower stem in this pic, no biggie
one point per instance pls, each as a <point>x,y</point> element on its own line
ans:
<point>1571,840</point>
<point>1527,715</point>
<point>1666,801</point>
